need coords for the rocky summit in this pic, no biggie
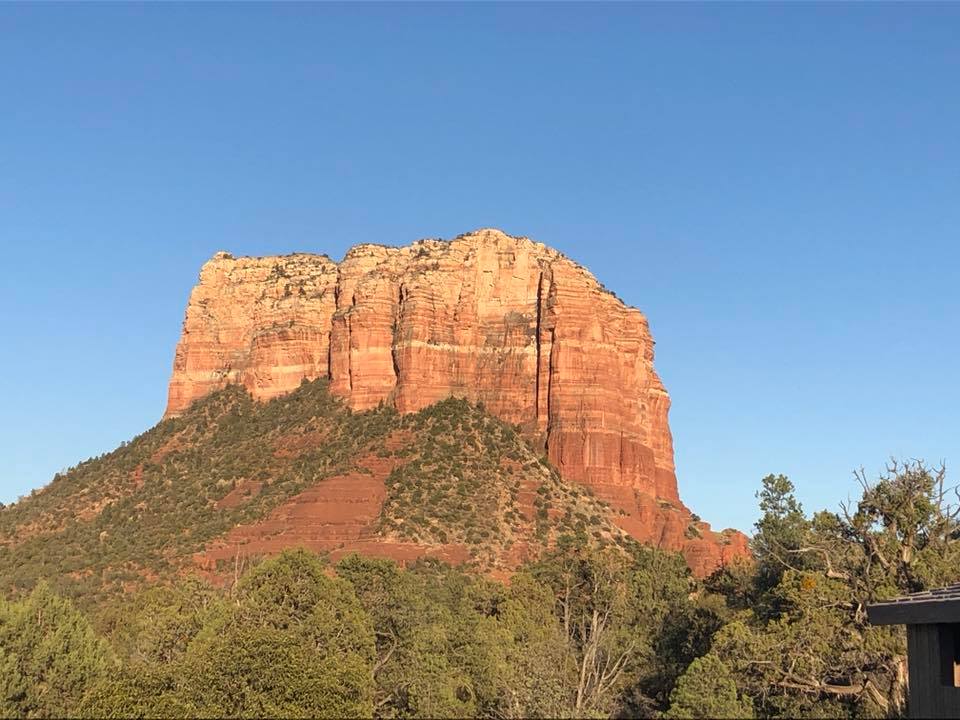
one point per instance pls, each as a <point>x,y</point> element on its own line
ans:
<point>502,321</point>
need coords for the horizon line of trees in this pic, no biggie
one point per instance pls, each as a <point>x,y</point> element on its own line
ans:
<point>581,632</point>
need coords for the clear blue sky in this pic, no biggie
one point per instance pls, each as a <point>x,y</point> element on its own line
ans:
<point>776,186</point>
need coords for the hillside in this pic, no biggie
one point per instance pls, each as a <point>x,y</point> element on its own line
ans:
<point>233,479</point>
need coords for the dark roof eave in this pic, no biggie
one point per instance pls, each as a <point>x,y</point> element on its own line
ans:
<point>914,612</point>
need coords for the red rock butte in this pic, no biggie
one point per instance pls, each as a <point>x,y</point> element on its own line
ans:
<point>502,320</point>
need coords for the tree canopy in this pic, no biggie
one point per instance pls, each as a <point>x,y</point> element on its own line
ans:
<point>581,631</point>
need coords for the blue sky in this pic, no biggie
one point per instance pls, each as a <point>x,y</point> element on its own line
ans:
<point>776,186</point>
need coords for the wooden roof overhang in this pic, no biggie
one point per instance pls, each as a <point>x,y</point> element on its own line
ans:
<point>931,606</point>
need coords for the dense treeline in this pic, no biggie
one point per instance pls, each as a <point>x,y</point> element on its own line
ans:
<point>585,631</point>
<point>574,634</point>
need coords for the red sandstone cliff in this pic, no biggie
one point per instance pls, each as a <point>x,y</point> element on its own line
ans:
<point>502,320</point>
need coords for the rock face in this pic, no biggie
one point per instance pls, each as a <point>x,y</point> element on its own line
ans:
<point>501,320</point>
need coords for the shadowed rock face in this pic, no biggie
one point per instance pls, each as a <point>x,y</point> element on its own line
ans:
<point>493,318</point>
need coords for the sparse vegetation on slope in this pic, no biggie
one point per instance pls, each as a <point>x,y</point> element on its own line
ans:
<point>145,507</point>
<point>143,510</point>
<point>470,478</point>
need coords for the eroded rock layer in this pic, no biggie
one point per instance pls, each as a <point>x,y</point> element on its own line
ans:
<point>497,319</point>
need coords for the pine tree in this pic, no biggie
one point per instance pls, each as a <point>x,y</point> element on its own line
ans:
<point>49,656</point>
<point>708,690</point>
